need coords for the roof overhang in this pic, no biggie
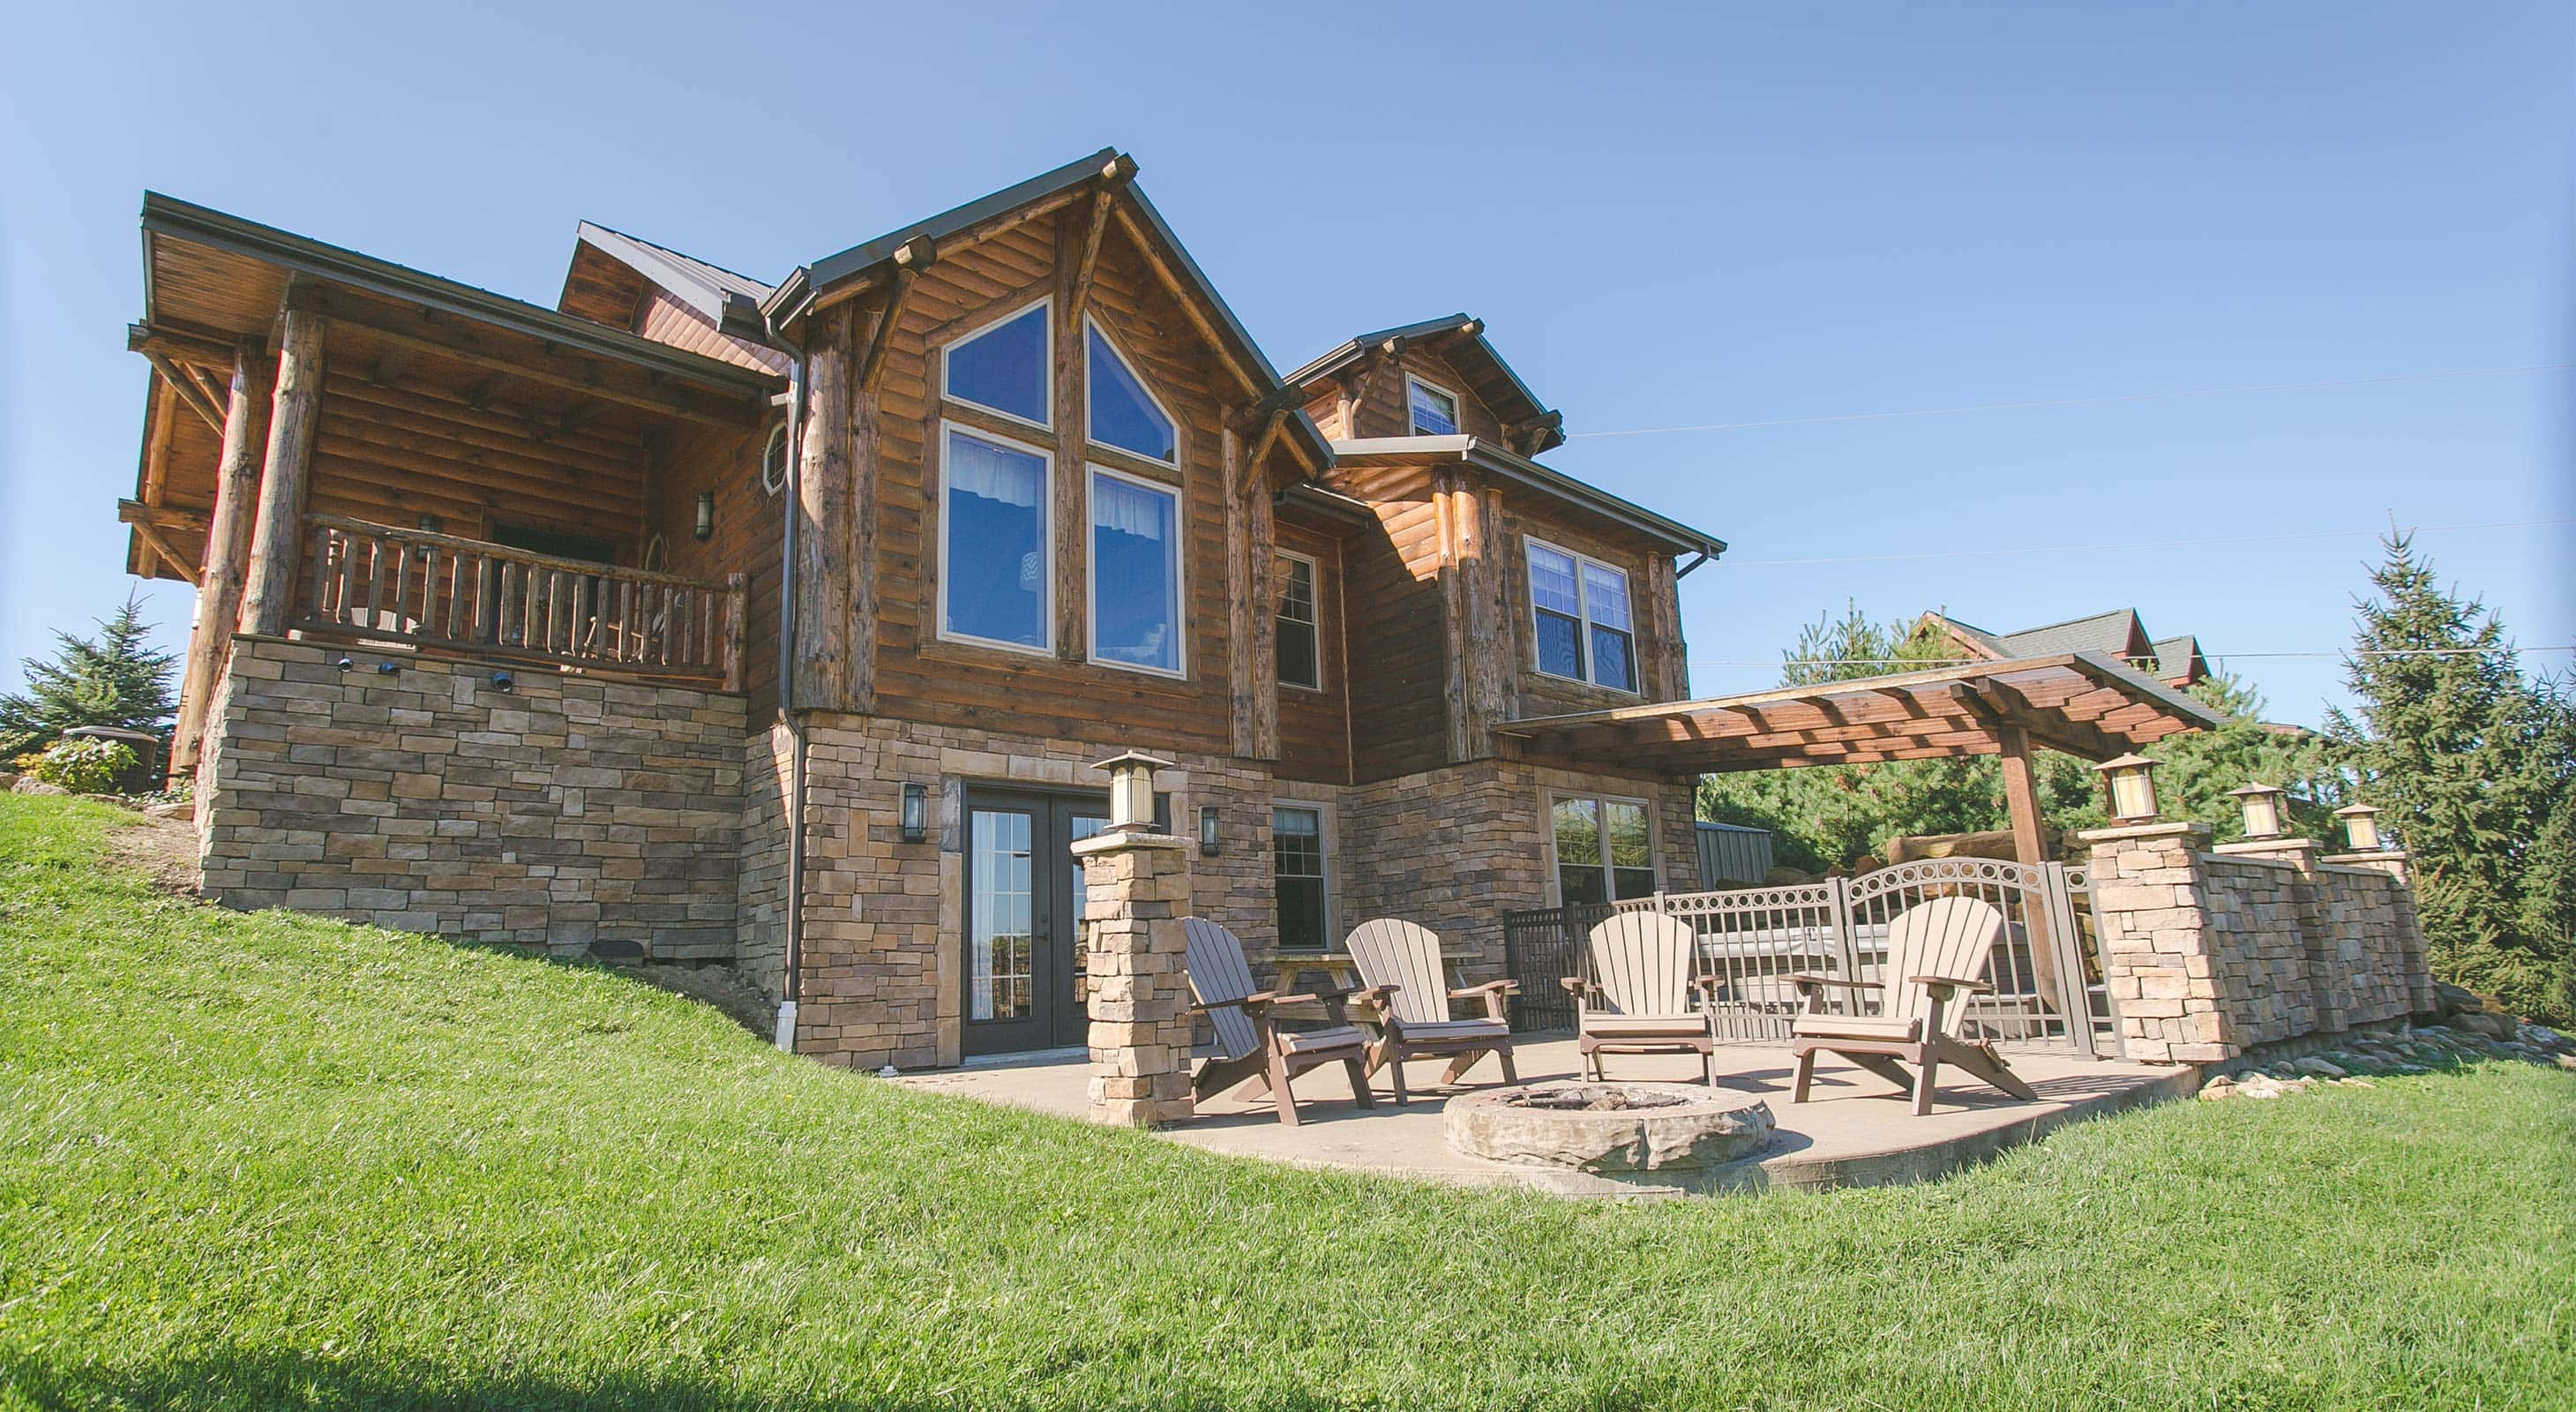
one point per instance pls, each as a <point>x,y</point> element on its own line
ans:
<point>2081,703</point>
<point>1512,466</point>
<point>169,219</point>
<point>731,310</point>
<point>1448,336</point>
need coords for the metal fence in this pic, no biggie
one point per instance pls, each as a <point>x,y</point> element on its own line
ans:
<point>2046,972</point>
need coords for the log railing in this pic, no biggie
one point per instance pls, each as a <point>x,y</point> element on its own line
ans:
<point>467,595</point>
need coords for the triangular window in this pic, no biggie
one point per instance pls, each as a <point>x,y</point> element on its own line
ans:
<point>1003,367</point>
<point>1124,413</point>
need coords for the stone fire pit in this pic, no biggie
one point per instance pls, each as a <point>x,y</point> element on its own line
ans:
<point>1609,1127</point>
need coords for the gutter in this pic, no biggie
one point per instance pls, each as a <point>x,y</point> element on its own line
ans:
<point>792,963</point>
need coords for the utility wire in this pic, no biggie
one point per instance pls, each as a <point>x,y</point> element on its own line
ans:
<point>2076,401</point>
<point>1928,662</point>
<point>1998,551</point>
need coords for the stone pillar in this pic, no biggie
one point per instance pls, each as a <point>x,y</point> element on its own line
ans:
<point>1136,887</point>
<point>2330,996</point>
<point>2151,899</point>
<point>2413,956</point>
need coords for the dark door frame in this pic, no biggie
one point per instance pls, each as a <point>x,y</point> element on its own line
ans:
<point>1057,1016</point>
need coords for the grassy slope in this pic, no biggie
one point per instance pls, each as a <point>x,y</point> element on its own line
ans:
<point>269,1160</point>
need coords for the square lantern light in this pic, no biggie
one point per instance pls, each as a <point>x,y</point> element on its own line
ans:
<point>2131,787</point>
<point>1208,843</point>
<point>2263,811</point>
<point>1131,788</point>
<point>2361,828</point>
<point>915,817</point>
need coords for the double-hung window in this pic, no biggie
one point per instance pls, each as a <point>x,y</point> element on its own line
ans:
<point>996,560</point>
<point>1135,572</point>
<point>1604,848</point>
<point>1434,410</point>
<point>1297,872</point>
<point>1301,660</point>
<point>1579,618</point>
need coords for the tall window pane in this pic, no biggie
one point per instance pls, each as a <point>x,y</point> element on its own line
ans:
<point>1297,869</point>
<point>1300,660</point>
<point>1605,606</point>
<point>993,523</point>
<point>1000,951</point>
<point>1135,573</point>
<point>1004,367</point>
<point>1631,849</point>
<point>1123,413</point>
<point>1559,601</point>
<point>1577,824</point>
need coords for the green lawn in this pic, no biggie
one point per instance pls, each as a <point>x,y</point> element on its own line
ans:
<point>262,1161</point>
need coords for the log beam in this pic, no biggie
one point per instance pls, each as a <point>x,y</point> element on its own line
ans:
<point>228,538</point>
<point>295,416</point>
<point>188,391</point>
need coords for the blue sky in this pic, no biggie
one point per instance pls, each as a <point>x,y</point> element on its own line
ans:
<point>1668,216</point>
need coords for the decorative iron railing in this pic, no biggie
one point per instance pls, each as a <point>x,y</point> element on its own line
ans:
<point>437,591</point>
<point>2046,971</point>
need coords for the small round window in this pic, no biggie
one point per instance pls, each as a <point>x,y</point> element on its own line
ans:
<point>773,460</point>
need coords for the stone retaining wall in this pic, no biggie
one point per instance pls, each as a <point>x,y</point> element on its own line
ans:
<point>566,812</point>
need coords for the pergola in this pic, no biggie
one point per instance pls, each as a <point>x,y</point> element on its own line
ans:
<point>2081,703</point>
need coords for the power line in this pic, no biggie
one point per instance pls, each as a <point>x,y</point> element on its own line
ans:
<point>1930,662</point>
<point>1999,551</point>
<point>2078,401</point>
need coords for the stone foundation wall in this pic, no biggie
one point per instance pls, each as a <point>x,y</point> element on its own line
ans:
<point>567,812</point>
<point>760,893</point>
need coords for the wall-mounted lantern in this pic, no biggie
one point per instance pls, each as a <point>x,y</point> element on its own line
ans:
<point>1131,788</point>
<point>1208,847</point>
<point>2131,787</point>
<point>915,817</point>
<point>706,526</point>
<point>2360,828</point>
<point>2262,806</point>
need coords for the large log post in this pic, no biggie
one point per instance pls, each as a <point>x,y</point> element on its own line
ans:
<point>227,561</point>
<point>294,420</point>
<point>827,528</point>
<point>2030,849</point>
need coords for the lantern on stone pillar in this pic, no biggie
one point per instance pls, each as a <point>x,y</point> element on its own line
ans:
<point>2360,828</point>
<point>2262,806</point>
<point>1131,788</point>
<point>2129,783</point>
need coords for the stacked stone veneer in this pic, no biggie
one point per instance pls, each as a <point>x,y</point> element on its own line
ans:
<point>2207,954</point>
<point>1136,893</point>
<point>566,812</point>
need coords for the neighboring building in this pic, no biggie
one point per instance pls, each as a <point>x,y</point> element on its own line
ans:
<point>710,620</point>
<point>2117,634</point>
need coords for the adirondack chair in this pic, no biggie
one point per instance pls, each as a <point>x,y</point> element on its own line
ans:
<point>1251,1051</point>
<point>1405,984</point>
<point>1639,969</point>
<point>1936,950</point>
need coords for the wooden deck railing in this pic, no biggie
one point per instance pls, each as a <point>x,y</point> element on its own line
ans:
<point>442,592</point>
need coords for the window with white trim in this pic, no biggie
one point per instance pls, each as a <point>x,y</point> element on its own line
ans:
<point>1301,661</point>
<point>773,460</point>
<point>1135,565</point>
<point>1434,410</point>
<point>1579,617</point>
<point>1002,367</point>
<point>1297,875</point>
<point>1604,846</point>
<point>1125,413</point>
<point>996,557</point>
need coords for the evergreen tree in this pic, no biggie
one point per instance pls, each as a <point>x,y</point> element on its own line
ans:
<point>2470,764</point>
<point>116,679</point>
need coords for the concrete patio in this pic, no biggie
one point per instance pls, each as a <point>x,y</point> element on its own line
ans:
<point>1856,1131</point>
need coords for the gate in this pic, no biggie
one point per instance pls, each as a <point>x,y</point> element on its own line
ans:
<point>2046,972</point>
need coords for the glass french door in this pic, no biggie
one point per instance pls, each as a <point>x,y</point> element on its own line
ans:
<point>1023,921</point>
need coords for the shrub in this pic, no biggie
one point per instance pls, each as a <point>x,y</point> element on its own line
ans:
<point>84,766</point>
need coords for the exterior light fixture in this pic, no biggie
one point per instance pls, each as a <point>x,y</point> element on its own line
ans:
<point>2361,828</point>
<point>1208,847</point>
<point>706,526</point>
<point>346,663</point>
<point>916,812</point>
<point>501,683</point>
<point>2262,806</point>
<point>1131,788</point>
<point>386,669</point>
<point>2130,783</point>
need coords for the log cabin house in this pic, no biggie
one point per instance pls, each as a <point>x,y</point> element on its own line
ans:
<point>706,620</point>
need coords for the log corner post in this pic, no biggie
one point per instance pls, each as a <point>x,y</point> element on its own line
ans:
<point>228,540</point>
<point>295,415</point>
<point>827,532</point>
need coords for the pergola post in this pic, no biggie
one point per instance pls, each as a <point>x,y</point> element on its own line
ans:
<point>269,588</point>
<point>2030,849</point>
<point>227,559</point>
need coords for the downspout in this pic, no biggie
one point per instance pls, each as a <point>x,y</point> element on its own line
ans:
<point>793,963</point>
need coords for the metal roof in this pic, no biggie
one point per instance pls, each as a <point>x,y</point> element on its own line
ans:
<point>1511,465</point>
<point>1357,348</point>
<point>731,300</point>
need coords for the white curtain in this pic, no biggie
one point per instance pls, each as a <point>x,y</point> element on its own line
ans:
<point>1130,508</point>
<point>980,467</point>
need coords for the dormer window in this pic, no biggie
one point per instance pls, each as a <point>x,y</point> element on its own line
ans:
<point>1002,367</point>
<point>1579,617</point>
<point>1435,409</point>
<point>1124,412</point>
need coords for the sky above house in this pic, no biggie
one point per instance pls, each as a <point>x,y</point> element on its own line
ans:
<point>1770,222</point>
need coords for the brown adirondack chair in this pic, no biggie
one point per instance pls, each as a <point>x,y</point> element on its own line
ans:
<point>1936,950</point>
<point>1251,1051</point>
<point>1404,982</point>
<point>1634,996</point>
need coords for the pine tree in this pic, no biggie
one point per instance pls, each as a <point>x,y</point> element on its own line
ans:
<point>2468,761</point>
<point>116,679</point>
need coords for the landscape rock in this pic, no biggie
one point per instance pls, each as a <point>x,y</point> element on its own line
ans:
<point>2491,1026</point>
<point>2321,1067</point>
<point>174,809</point>
<point>29,784</point>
